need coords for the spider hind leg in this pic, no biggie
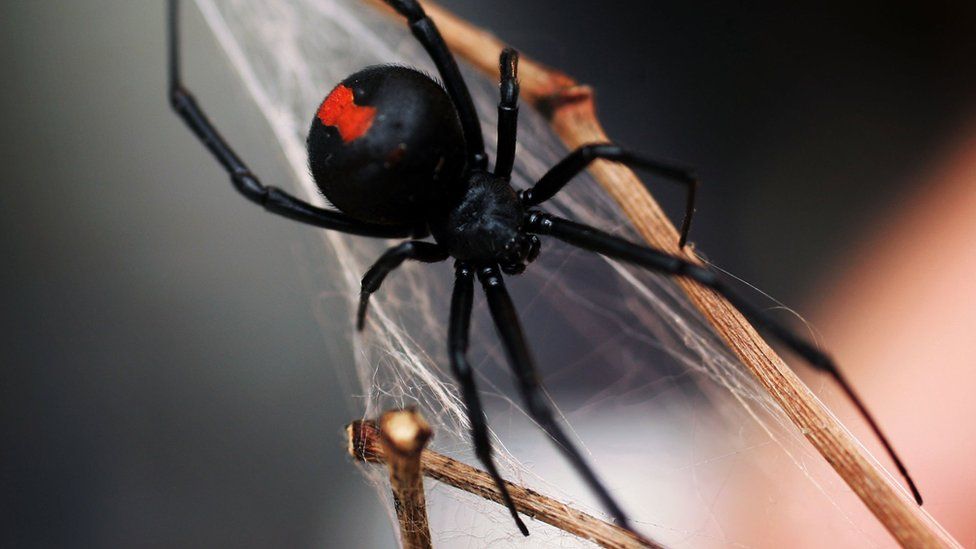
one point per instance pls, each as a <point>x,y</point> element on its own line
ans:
<point>271,198</point>
<point>425,31</point>
<point>425,252</point>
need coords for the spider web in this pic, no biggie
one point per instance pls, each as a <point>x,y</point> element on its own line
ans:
<point>695,450</point>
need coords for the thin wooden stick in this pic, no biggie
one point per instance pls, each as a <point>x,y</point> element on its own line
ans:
<point>571,110</point>
<point>403,434</point>
<point>364,445</point>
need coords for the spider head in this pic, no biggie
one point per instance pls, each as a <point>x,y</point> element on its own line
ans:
<point>485,226</point>
<point>519,252</point>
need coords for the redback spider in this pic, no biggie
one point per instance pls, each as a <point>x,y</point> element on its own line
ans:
<point>400,156</point>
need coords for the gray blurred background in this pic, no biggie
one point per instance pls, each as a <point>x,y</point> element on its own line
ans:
<point>165,382</point>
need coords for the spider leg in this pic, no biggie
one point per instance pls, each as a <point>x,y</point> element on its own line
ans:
<point>513,339</point>
<point>430,38</point>
<point>507,113</point>
<point>271,198</point>
<point>595,240</point>
<point>577,161</point>
<point>460,323</point>
<point>426,252</point>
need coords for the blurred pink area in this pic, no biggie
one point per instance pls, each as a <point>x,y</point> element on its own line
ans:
<point>900,317</point>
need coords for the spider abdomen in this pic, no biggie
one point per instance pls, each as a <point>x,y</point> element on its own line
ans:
<point>386,146</point>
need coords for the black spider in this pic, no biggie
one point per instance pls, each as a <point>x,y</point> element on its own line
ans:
<point>400,156</point>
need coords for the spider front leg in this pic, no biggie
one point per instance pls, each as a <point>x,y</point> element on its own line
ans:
<point>590,238</point>
<point>516,348</point>
<point>508,89</point>
<point>271,198</point>
<point>457,348</point>
<point>577,161</point>
<point>425,252</point>
<point>425,31</point>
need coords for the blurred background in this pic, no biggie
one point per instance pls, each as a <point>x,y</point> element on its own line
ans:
<point>166,382</point>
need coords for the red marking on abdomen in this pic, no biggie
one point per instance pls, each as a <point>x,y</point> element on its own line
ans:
<point>340,110</point>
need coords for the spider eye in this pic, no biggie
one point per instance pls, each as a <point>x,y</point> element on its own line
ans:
<point>519,252</point>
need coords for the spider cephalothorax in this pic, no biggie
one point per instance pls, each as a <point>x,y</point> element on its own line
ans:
<point>486,225</point>
<point>401,156</point>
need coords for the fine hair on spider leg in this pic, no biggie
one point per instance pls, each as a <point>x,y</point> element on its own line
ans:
<point>475,217</point>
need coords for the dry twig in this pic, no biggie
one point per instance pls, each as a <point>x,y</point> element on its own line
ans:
<point>571,111</point>
<point>403,435</point>
<point>364,445</point>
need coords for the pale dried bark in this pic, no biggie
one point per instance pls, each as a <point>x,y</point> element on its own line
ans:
<point>364,444</point>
